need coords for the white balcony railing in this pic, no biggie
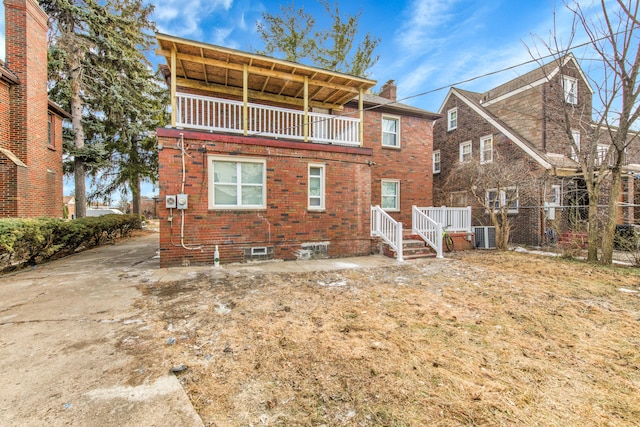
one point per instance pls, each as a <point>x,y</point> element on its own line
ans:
<point>223,115</point>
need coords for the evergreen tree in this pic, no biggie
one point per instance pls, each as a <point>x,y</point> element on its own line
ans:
<point>290,34</point>
<point>98,70</point>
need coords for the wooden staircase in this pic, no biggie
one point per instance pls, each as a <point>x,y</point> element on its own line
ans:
<point>413,247</point>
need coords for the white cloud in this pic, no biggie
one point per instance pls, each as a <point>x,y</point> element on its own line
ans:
<point>184,18</point>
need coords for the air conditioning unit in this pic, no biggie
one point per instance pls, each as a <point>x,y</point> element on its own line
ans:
<point>485,237</point>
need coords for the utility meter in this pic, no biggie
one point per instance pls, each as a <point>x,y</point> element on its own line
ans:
<point>183,201</point>
<point>170,202</point>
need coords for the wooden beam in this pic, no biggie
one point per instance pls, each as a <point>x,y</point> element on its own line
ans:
<point>245,99</point>
<point>254,94</point>
<point>361,114</point>
<point>306,110</point>
<point>261,71</point>
<point>173,91</point>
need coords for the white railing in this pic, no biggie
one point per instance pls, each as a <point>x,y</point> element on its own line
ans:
<point>429,230</point>
<point>454,219</point>
<point>214,114</point>
<point>388,229</point>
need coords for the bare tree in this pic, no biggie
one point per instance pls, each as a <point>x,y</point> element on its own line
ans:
<point>599,135</point>
<point>497,187</point>
<point>615,36</point>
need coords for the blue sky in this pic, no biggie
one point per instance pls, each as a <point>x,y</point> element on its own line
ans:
<point>425,44</point>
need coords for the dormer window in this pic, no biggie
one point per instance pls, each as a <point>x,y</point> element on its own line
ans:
<point>570,88</point>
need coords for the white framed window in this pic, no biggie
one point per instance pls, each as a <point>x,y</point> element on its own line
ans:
<point>237,183</point>
<point>458,199</point>
<point>452,119</point>
<point>316,186</point>
<point>436,161</point>
<point>390,131</point>
<point>391,194</point>
<point>575,134</point>
<point>555,196</point>
<point>465,152</point>
<point>507,197</point>
<point>570,89</point>
<point>486,149</point>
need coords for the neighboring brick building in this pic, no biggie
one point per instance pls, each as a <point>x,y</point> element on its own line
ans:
<point>30,124</point>
<point>270,158</point>
<point>523,121</point>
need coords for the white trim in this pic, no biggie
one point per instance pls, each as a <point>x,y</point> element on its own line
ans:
<point>323,179</point>
<point>483,140</point>
<point>439,169</point>
<point>545,164</point>
<point>570,93</point>
<point>397,119</point>
<point>521,89</point>
<point>397,195</point>
<point>235,159</point>
<point>461,152</point>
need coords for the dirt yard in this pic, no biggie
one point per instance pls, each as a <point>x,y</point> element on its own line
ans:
<point>481,338</point>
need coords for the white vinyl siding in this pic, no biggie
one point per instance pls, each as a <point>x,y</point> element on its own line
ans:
<point>486,149</point>
<point>390,131</point>
<point>391,194</point>
<point>316,187</point>
<point>452,119</point>
<point>465,152</point>
<point>237,184</point>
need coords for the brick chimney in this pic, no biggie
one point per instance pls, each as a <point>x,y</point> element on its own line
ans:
<point>389,90</point>
<point>26,57</point>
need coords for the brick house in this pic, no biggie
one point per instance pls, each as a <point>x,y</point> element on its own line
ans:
<point>30,124</point>
<point>522,121</point>
<point>268,159</point>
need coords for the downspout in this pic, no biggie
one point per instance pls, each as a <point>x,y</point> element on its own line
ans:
<point>544,118</point>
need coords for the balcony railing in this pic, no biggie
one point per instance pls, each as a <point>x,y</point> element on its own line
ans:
<point>223,115</point>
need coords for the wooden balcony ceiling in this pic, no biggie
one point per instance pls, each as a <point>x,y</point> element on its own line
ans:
<point>206,66</point>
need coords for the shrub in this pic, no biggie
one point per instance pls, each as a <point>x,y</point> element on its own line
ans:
<point>35,240</point>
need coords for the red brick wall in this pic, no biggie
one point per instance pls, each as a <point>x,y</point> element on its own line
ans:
<point>40,186</point>
<point>286,223</point>
<point>411,163</point>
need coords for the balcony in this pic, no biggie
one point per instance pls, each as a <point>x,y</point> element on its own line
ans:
<point>223,115</point>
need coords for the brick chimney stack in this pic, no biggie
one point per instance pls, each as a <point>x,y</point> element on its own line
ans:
<point>389,90</point>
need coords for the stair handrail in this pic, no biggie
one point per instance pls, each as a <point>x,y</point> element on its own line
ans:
<point>388,229</point>
<point>429,230</point>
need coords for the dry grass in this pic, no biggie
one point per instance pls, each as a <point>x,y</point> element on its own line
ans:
<point>480,339</point>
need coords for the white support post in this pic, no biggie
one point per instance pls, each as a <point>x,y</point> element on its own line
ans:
<point>399,240</point>
<point>439,241</point>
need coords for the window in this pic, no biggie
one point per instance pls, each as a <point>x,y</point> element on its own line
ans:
<point>391,195</point>
<point>237,184</point>
<point>486,149</point>
<point>436,161</point>
<point>576,139</point>
<point>570,88</point>
<point>452,119</point>
<point>458,199</point>
<point>390,131</point>
<point>555,197</point>
<point>507,197</point>
<point>465,152</point>
<point>316,187</point>
<point>50,131</point>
